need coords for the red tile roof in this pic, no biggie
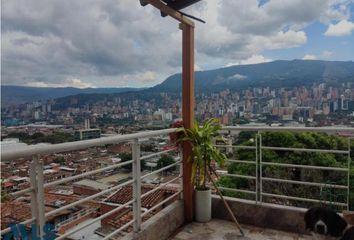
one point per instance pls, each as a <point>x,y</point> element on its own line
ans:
<point>8,184</point>
<point>121,220</point>
<point>16,212</point>
<point>52,199</point>
<point>125,194</point>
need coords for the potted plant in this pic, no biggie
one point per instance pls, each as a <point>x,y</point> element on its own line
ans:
<point>203,153</point>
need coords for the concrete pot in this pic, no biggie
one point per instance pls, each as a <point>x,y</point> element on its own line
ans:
<point>203,205</point>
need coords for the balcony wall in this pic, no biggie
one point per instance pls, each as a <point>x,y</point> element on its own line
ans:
<point>162,225</point>
<point>285,218</point>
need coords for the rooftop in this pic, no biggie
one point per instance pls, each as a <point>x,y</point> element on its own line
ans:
<point>92,184</point>
<point>125,194</point>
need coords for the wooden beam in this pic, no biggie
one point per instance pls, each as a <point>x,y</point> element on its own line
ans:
<point>170,12</point>
<point>187,114</point>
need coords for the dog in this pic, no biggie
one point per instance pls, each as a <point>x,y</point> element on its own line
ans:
<point>325,221</point>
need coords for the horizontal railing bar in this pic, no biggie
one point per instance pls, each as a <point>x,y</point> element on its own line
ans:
<point>241,161</point>
<point>83,212</point>
<point>118,230</point>
<point>160,169</point>
<point>95,220</point>
<point>305,150</point>
<point>237,190</point>
<point>159,187</point>
<point>21,192</point>
<point>290,129</point>
<point>303,199</point>
<point>160,203</point>
<point>304,183</point>
<point>69,179</point>
<point>6,230</point>
<point>237,175</point>
<point>87,198</point>
<point>236,146</point>
<point>305,166</point>
<point>158,153</point>
<point>77,145</point>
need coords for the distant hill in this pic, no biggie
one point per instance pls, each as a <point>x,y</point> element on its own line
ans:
<point>12,95</point>
<point>277,73</point>
<point>274,74</point>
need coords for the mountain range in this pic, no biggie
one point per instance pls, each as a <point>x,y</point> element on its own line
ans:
<point>276,74</point>
<point>280,73</point>
<point>13,95</point>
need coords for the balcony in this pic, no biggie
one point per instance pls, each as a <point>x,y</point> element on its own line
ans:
<point>126,200</point>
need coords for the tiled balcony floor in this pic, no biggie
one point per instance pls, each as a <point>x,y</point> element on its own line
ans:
<point>226,230</point>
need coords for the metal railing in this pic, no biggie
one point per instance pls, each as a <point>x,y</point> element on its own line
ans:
<point>260,179</point>
<point>36,191</point>
<point>77,215</point>
<point>37,195</point>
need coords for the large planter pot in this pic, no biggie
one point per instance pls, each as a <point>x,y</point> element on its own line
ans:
<point>203,205</point>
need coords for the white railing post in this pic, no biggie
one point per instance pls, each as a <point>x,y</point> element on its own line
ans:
<point>180,152</point>
<point>37,195</point>
<point>136,185</point>
<point>40,196</point>
<point>260,170</point>
<point>348,183</point>
<point>257,170</point>
<point>34,201</point>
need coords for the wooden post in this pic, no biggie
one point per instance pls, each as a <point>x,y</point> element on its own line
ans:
<point>187,114</point>
<point>187,27</point>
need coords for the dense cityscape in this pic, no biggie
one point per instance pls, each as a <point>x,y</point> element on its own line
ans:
<point>319,105</point>
<point>80,117</point>
<point>177,120</point>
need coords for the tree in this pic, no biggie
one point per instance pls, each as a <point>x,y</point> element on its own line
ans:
<point>126,156</point>
<point>240,121</point>
<point>245,136</point>
<point>293,140</point>
<point>166,160</point>
<point>59,160</point>
<point>148,147</point>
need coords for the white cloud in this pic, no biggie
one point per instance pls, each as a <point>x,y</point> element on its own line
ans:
<point>197,67</point>
<point>309,57</point>
<point>237,77</point>
<point>70,82</point>
<point>279,40</point>
<point>254,59</point>
<point>327,54</point>
<point>342,28</point>
<point>109,43</point>
<point>141,79</point>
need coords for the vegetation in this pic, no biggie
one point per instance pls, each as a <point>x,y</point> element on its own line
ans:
<point>59,160</point>
<point>57,137</point>
<point>203,150</point>
<point>166,160</point>
<point>148,147</point>
<point>4,196</point>
<point>240,121</point>
<point>125,156</point>
<point>292,140</point>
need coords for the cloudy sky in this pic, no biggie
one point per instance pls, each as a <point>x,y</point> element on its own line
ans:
<point>118,43</point>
